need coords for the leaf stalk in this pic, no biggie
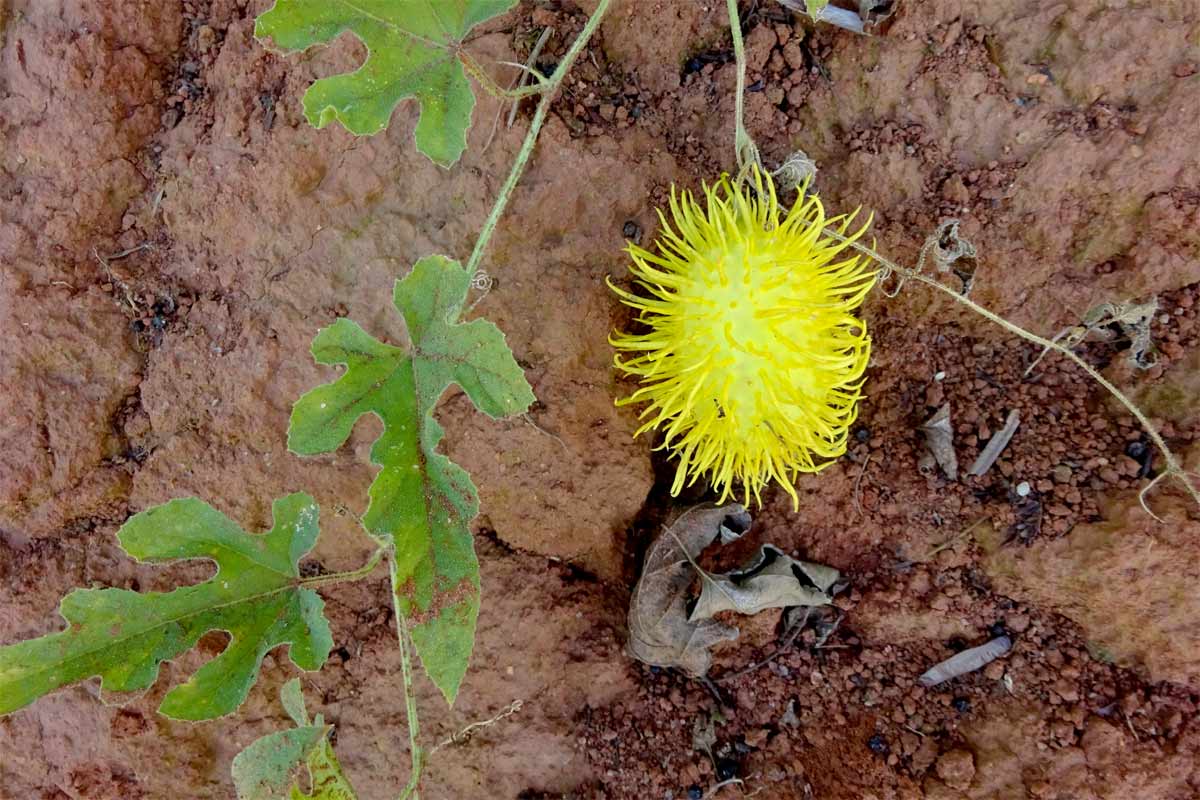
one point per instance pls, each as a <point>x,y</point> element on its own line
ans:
<point>343,577</point>
<point>535,126</point>
<point>743,146</point>
<point>412,790</point>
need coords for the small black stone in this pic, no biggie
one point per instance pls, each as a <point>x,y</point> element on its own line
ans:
<point>862,433</point>
<point>998,629</point>
<point>694,792</point>
<point>726,768</point>
<point>632,231</point>
<point>1143,454</point>
<point>878,744</point>
<point>961,704</point>
<point>957,644</point>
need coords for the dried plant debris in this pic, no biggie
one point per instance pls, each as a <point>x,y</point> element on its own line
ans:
<point>874,12</point>
<point>821,11</point>
<point>950,252</point>
<point>704,735</point>
<point>966,662</point>
<point>662,630</point>
<point>939,439</point>
<point>1132,322</point>
<point>796,171</point>
<point>995,446</point>
<point>772,579</point>
<point>660,633</point>
<point>869,14</point>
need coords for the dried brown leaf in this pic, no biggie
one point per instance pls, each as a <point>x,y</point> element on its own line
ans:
<point>663,633</point>
<point>772,579</point>
<point>659,631</point>
<point>939,438</point>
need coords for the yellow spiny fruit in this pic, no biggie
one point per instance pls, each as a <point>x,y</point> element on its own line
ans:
<point>752,358</point>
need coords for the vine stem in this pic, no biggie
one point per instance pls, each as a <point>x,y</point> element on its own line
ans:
<point>410,696</point>
<point>743,146</point>
<point>548,89</point>
<point>535,127</point>
<point>343,577</point>
<point>1174,467</point>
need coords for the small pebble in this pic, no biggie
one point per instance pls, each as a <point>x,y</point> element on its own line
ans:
<point>1023,489</point>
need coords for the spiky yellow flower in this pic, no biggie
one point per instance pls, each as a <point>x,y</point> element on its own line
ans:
<point>752,360</point>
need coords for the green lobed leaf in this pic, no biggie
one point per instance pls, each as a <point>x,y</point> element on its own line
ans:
<point>124,636</point>
<point>265,770</point>
<point>412,51</point>
<point>420,501</point>
<point>325,774</point>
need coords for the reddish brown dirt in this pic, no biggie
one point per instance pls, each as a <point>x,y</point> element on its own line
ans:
<point>172,234</point>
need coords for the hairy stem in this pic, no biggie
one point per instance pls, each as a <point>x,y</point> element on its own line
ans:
<point>496,90</point>
<point>410,696</point>
<point>342,577</point>
<point>743,146</point>
<point>539,117</point>
<point>547,88</point>
<point>1174,467</point>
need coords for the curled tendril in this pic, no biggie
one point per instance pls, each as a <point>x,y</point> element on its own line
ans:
<point>482,283</point>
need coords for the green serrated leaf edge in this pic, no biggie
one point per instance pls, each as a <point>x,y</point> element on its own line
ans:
<point>265,770</point>
<point>420,502</point>
<point>411,52</point>
<point>124,636</point>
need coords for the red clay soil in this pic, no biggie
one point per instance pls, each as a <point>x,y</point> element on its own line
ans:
<point>172,234</point>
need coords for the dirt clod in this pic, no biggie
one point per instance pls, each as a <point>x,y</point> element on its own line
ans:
<point>956,768</point>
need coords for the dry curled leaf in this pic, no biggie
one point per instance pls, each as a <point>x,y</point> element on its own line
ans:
<point>951,253</point>
<point>661,630</point>
<point>772,579</point>
<point>796,171</point>
<point>1131,319</point>
<point>939,438</point>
